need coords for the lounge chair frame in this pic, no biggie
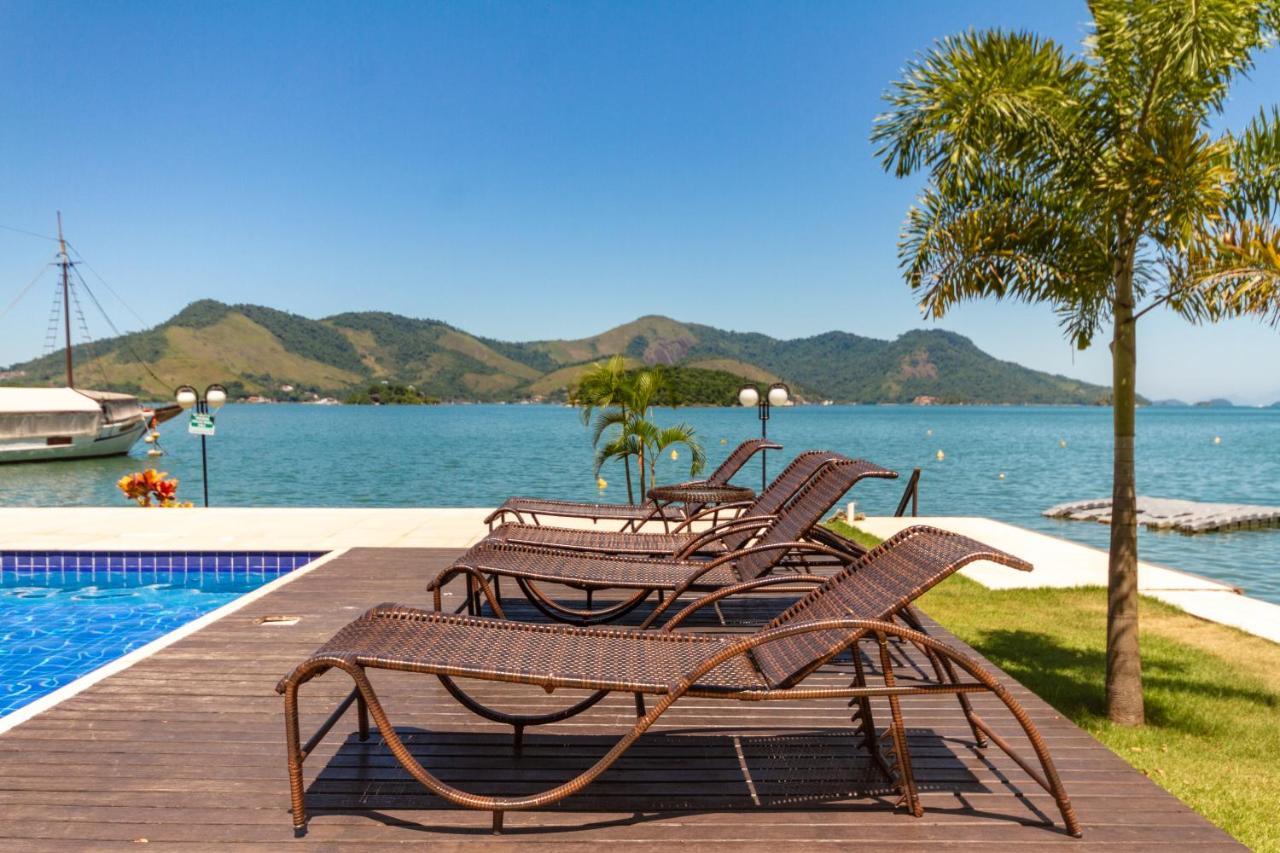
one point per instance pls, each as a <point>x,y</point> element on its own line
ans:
<point>634,516</point>
<point>842,635</point>
<point>778,546</point>
<point>681,539</point>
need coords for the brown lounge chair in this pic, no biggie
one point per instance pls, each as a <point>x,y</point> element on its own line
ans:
<point>530,510</point>
<point>681,541</point>
<point>778,542</point>
<point>856,605</point>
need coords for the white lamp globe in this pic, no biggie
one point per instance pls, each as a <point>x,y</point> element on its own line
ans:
<point>778,395</point>
<point>215,396</point>
<point>748,396</point>
<point>185,396</point>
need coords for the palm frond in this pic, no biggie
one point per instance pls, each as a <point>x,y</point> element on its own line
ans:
<point>1175,58</point>
<point>606,419</point>
<point>601,386</point>
<point>684,434</point>
<point>616,449</point>
<point>1255,159</point>
<point>1006,240</point>
<point>1235,273</point>
<point>983,95</point>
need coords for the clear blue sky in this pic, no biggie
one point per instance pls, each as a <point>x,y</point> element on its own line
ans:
<point>519,170</point>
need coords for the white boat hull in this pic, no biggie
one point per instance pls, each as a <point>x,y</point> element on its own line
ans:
<point>112,440</point>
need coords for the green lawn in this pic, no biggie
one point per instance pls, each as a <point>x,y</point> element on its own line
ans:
<point>1212,693</point>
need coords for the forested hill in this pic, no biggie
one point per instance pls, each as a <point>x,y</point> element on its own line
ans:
<point>259,350</point>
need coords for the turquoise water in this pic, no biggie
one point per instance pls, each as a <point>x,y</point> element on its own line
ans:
<point>294,455</point>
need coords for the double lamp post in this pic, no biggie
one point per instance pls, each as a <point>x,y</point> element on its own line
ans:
<point>202,420</point>
<point>777,395</point>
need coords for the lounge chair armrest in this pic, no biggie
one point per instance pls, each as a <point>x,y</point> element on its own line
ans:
<point>474,576</point>
<point>724,592</point>
<point>737,506</point>
<point>809,547</point>
<point>500,512</point>
<point>856,628</point>
<point>721,530</point>
<point>826,536</point>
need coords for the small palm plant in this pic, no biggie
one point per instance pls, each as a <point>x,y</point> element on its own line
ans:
<point>623,400</point>
<point>602,391</point>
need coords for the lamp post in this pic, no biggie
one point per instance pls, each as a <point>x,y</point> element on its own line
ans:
<point>777,395</point>
<point>201,422</point>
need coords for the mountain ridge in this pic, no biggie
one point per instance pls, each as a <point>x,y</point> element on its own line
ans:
<point>256,349</point>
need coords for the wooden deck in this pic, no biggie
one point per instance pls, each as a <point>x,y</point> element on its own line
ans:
<point>187,747</point>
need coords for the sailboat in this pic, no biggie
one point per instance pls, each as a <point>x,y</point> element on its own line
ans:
<point>39,424</point>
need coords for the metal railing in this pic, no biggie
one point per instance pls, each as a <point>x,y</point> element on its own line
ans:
<point>910,495</point>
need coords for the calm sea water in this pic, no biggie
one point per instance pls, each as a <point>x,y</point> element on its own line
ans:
<point>294,455</point>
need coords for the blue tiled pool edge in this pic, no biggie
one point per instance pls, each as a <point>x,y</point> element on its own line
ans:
<point>52,644</point>
<point>218,561</point>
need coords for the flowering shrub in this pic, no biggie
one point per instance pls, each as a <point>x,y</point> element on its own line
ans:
<point>150,488</point>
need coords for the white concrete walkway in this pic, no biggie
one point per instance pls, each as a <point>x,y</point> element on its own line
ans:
<point>227,529</point>
<point>1059,563</point>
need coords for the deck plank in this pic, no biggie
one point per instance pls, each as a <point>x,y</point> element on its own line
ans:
<point>186,748</point>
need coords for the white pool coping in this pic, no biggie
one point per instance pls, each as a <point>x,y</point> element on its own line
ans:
<point>66,691</point>
<point>237,528</point>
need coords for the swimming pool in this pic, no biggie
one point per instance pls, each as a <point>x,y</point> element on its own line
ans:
<point>63,614</point>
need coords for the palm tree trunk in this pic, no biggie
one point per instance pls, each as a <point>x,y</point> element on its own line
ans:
<point>1124,662</point>
<point>626,463</point>
<point>643,491</point>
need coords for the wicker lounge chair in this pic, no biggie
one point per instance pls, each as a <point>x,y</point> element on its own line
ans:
<point>531,510</point>
<point>778,541</point>
<point>858,605</point>
<point>682,541</point>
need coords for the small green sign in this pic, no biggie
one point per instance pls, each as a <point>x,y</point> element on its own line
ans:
<point>201,424</point>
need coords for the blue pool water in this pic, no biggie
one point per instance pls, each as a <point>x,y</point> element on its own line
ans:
<point>64,614</point>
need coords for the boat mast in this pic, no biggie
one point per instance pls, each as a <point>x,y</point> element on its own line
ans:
<point>65,263</point>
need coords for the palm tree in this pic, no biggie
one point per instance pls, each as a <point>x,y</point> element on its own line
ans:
<point>604,386</point>
<point>1096,184</point>
<point>629,397</point>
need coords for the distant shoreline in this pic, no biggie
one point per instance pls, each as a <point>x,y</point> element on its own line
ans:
<point>545,403</point>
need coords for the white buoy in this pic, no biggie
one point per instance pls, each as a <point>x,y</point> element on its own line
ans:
<point>1001,475</point>
<point>1217,439</point>
<point>928,433</point>
<point>724,441</point>
<point>674,455</point>
<point>601,483</point>
<point>940,455</point>
<point>155,451</point>
<point>1062,442</point>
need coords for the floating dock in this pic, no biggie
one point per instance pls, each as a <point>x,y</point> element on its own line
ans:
<point>1170,514</point>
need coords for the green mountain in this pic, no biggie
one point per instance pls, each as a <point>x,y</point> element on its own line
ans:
<point>257,350</point>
